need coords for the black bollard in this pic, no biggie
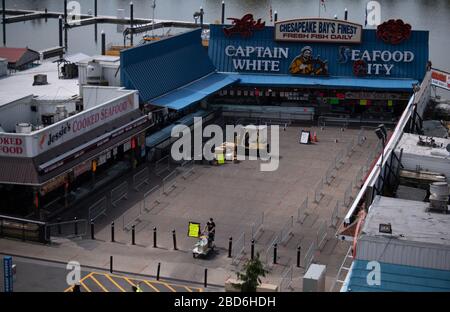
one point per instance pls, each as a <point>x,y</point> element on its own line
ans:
<point>95,8</point>
<point>95,25</point>
<point>60,31</point>
<point>4,21</point>
<point>252,253</point>
<point>103,43</point>
<point>131,22</point>
<point>110,264</point>
<point>275,253</point>
<point>158,271</point>
<point>201,17</point>
<point>298,256</point>
<point>346,14</point>
<point>206,278</point>
<point>46,12</point>
<point>154,237</point>
<point>223,12</point>
<point>230,247</point>
<point>92,230</point>
<point>65,25</point>
<point>174,236</point>
<point>112,232</point>
<point>75,224</point>
<point>59,225</point>
<point>275,16</point>
<point>133,235</point>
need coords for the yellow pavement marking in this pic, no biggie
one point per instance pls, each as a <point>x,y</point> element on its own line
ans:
<point>85,277</point>
<point>99,284</point>
<point>168,286</point>
<point>87,288</point>
<point>114,282</point>
<point>188,289</point>
<point>151,286</point>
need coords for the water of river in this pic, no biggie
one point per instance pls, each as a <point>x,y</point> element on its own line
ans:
<point>432,15</point>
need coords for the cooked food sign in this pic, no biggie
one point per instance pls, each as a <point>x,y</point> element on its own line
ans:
<point>318,30</point>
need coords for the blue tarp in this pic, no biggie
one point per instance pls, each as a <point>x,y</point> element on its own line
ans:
<point>195,91</point>
<point>324,82</point>
<point>398,278</point>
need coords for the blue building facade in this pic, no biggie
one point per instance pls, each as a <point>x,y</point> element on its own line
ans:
<point>260,53</point>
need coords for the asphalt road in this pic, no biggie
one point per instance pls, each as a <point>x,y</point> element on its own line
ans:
<point>44,276</point>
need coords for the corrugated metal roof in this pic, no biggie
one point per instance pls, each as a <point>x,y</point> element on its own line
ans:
<point>194,92</point>
<point>338,66</point>
<point>324,82</point>
<point>165,65</point>
<point>397,278</point>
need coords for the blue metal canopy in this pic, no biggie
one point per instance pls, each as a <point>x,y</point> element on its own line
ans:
<point>398,278</point>
<point>325,82</point>
<point>196,91</point>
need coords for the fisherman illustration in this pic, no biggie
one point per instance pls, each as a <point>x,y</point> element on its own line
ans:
<point>306,64</point>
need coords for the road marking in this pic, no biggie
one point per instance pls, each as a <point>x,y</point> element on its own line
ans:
<point>168,286</point>
<point>114,282</point>
<point>188,289</point>
<point>87,288</point>
<point>99,284</point>
<point>151,286</point>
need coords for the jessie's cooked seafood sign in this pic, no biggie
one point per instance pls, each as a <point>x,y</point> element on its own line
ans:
<point>318,30</point>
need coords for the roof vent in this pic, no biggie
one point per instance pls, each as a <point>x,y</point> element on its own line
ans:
<point>40,80</point>
<point>439,197</point>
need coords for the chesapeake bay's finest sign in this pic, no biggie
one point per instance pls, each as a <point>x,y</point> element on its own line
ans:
<point>251,58</point>
<point>318,30</point>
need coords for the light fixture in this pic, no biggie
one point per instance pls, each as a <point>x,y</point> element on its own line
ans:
<point>385,228</point>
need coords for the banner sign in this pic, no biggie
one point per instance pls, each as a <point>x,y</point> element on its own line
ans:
<point>194,229</point>
<point>7,274</point>
<point>440,79</point>
<point>318,30</point>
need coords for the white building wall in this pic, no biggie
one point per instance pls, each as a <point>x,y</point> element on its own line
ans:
<point>15,112</point>
<point>391,250</point>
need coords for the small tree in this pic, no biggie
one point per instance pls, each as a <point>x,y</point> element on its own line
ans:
<point>253,270</point>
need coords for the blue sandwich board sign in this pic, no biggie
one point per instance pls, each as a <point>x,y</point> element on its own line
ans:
<point>7,273</point>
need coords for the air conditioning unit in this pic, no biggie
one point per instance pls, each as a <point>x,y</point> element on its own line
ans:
<point>439,197</point>
<point>40,80</point>
<point>23,127</point>
<point>48,119</point>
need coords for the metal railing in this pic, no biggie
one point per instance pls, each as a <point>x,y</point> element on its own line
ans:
<point>99,208</point>
<point>286,279</point>
<point>268,253</point>
<point>24,229</point>
<point>348,195</point>
<point>286,230</point>
<point>344,269</point>
<point>140,178</point>
<point>118,193</point>
<point>186,169</point>
<point>309,256</point>
<point>321,237</point>
<point>257,227</point>
<point>132,216</point>
<point>330,175</point>
<point>339,160</point>
<point>67,229</point>
<point>318,192</point>
<point>148,203</point>
<point>302,211</point>
<point>335,215</point>
<point>169,182</point>
<point>238,248</point>
<point>162,165</point>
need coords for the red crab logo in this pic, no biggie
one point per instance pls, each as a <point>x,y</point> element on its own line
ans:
<point>394,31</point>
<point>244,26</point>
<point>360,68</point>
